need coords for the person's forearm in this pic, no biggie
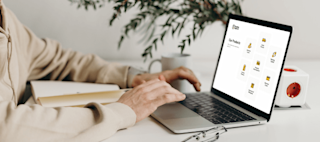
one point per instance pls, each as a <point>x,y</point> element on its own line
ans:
<point>132,73</point>
<point>71,65</point>
<point>47,58</point>
<point>37,124</point>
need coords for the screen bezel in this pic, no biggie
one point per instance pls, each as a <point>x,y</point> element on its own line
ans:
<point>234,100</point>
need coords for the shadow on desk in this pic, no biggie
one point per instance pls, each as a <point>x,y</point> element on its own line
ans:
<point>303,107</point>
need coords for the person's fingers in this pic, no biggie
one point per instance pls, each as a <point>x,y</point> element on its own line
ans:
<point>151,85</point>
<point>161,77</point>
<point>197,86</point>
<point>146,83</point>
<point>164,88</point>
<point>145,98</point>
<point>189,75</point>
<point>141,82</point>
<point>166,94</point>
<point>138,82</point>
<point>168,98</point>
<point>135,89</point>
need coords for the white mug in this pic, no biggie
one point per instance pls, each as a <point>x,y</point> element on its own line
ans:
<point>171,61</point>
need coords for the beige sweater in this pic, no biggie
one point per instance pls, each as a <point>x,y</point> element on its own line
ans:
<point>24,56</point>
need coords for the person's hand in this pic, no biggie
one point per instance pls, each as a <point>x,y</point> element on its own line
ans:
<point>148,96</point>
<point>169,76</point>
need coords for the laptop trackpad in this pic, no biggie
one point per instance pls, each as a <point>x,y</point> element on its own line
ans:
<point>173,111</point>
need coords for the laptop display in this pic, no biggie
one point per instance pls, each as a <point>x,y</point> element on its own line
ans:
<point>245,81</point>
<point>250,63</point>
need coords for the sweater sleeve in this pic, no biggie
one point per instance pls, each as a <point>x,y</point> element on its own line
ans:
<point>35,123</point>
<point>47,58</point>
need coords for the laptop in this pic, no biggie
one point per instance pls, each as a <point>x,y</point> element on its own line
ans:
<point>245,81</point>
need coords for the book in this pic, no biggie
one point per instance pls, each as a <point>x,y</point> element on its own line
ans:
<point>75,94</point>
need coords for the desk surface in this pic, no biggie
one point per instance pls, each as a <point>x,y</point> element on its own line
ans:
<point>285,125</point>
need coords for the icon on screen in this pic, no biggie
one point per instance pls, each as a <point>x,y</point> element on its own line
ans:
<point>264,40</point>
<point>244,67</point>
<point>249,45</point>
<point>274,54</point>
<point>258,63</point>
<point>268,78</point>
<point>252,85</point>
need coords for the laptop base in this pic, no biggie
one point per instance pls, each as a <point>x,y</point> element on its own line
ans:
<point>180,119</point>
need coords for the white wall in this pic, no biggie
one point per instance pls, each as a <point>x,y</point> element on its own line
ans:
<point>89,31</point>
<point>303,15</point>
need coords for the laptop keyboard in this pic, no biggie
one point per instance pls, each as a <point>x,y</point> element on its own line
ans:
<point>213,110</point>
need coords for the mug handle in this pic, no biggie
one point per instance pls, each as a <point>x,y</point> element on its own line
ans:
<point>156,60</point>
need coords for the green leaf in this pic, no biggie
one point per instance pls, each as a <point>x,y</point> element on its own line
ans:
<point>148,48</point>
<point>175,29</point>
<point>182,24</point>
<point>189,40</point>
<point>155,46</point>
<point>94,6</point>
<point>152,33</point>
<point>220,4</point>
<point>112,19</point>
<point>167,22</point>
<point>182,47</point>
<point>142,15</point>
<point>135,2</point>
<point>193,32</point>
<point>199,30</point>
<point>155,40</point>
<point>141,5</point>
<point>239,8</point>
<point>150,24</point>
<point>150,53</point>
<point>155,43</point>
<point>162,35</point>
<point>126,30</point>
<point>145,59</point>
<point>125,6</point>
<point>120,41</point>
<point>176,11</point>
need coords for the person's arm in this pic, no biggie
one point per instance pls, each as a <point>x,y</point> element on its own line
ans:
<point>95,122</point>
<point>39,124</point>
<point>169,76</point>
<point>48,58</point>
<point>35,123</point>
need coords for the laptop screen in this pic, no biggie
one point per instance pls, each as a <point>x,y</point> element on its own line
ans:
<point>250,63</point>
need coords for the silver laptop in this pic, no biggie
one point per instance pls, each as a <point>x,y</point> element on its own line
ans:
<point>245,81</point>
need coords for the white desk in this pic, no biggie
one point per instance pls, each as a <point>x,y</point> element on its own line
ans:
<point>285,125</point>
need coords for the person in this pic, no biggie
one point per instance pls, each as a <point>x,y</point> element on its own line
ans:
<point>24,56</point>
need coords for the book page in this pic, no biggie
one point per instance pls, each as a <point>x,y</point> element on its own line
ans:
<point>81,99</point>
<point>55,88</point>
